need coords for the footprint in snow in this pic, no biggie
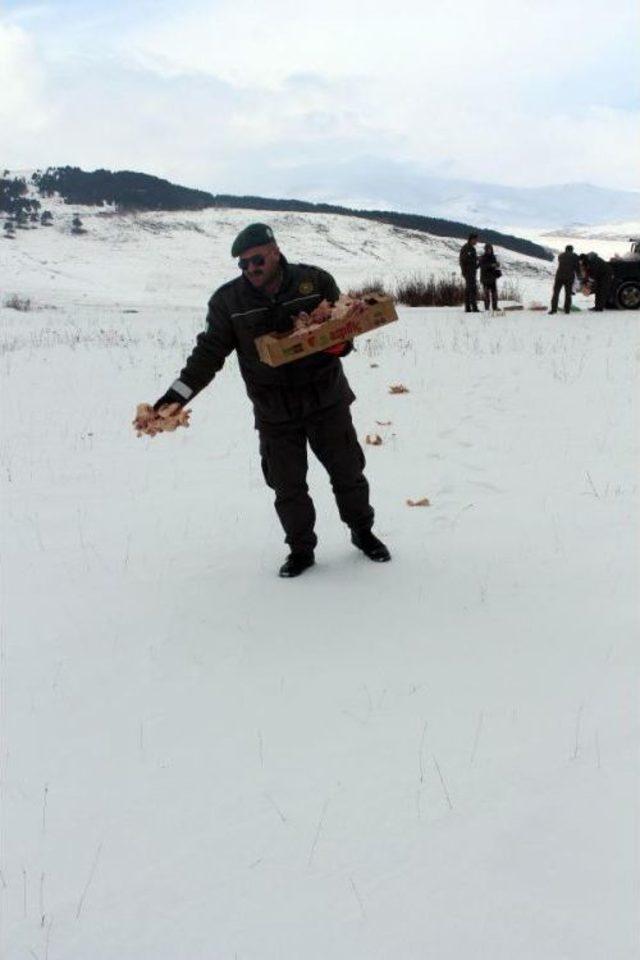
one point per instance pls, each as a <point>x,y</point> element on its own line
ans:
<point>486,486</point>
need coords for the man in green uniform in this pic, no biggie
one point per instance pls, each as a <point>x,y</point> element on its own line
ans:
<point>599,275</point>
<point>565,275</point>
<point>302,403</point>
<point>469,267</point>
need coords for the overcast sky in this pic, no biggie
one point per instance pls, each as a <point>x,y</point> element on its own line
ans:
<point>223,93</point>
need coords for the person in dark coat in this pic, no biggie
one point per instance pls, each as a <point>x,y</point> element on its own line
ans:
<point>296,405</point>
<point>599,274</point>
<point>469,267</point>
<point>566,272</point>
<point>489,273</point>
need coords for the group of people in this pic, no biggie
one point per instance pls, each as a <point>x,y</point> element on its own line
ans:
<point>592,273</point>
<point>490,271</point>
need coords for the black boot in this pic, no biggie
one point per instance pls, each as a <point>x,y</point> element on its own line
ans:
<point>373,548</point>
<point>295,564</point>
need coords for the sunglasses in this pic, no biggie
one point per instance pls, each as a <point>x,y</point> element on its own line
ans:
<point>257,261</point>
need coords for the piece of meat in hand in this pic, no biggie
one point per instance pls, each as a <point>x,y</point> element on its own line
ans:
<point>149,422</point>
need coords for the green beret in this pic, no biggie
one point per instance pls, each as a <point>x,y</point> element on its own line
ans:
<point>255,235</point>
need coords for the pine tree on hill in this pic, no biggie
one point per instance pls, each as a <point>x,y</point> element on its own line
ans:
<point>12,197</point>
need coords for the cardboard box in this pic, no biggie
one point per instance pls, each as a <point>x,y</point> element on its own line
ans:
<point>278,348</point>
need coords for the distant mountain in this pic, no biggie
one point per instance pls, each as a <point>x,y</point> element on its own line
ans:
<point>397,185</point>
<point>129,190</point>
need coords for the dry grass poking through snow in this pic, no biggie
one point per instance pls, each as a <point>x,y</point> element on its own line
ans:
<point>18,303</point>
<point>417,290</point>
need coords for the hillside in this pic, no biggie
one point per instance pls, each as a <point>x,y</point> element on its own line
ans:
<point>127,190</point>
<point>181,257</point>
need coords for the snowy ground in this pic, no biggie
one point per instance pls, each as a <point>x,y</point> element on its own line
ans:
<point>431,758</point>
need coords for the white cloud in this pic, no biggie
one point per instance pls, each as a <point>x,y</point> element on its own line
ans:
<point>427,83</point>
<point>474,43</point>
<point>22,106</point>
<point>229,88</point>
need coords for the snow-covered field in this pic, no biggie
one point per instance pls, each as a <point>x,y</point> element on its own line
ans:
<point>608,240</point>
<point>433,758</point>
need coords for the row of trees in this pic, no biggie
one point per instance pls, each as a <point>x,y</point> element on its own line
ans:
<point>124,189</point>
<point>407,221</point>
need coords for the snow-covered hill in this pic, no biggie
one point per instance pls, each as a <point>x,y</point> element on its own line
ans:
<point>430,758</point>
<point>181,258</point>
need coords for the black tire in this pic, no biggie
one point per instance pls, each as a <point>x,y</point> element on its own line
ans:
<point>628,295</point>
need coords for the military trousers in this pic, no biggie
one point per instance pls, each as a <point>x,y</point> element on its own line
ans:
<point>283,449</point>
<point>601,287</point>
<point>470,291</point>
<point>558,285</point>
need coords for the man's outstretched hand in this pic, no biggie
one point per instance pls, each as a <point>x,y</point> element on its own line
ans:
<point>148,421</point>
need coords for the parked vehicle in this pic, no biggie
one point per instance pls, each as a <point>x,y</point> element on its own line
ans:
<point>624,292</point>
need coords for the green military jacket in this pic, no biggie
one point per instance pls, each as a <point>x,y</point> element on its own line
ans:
<point>237,314</point>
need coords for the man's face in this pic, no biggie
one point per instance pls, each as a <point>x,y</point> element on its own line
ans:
<point>260,264</point>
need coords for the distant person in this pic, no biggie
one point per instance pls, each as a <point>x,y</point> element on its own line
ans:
<point>599,274</point>
<point>298,405</point>
<point>469,267</point>
<point>566,272</point>
<point>489,273</point>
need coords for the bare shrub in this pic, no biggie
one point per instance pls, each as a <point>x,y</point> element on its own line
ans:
<point>416,291</point>
<point>18,303</point>
<point>367,288</point>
